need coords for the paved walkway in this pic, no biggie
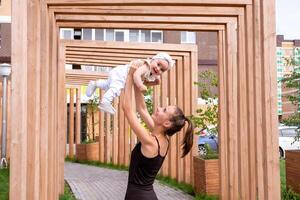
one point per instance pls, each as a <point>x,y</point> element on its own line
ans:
<point>94,183</point>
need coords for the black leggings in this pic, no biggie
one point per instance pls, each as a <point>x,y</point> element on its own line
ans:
<point>140,193</point>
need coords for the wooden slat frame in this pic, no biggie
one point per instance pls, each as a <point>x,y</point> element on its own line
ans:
<point>39,57</point>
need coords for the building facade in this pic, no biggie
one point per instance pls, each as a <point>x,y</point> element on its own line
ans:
<point>286,49</point>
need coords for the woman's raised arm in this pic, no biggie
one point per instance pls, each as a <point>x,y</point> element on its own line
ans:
<point>142,108</point>
<point>141,133</point>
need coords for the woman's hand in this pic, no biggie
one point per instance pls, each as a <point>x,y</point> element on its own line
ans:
<point>152,83</point>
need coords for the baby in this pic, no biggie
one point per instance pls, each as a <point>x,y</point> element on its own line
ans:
<point>147,71</point>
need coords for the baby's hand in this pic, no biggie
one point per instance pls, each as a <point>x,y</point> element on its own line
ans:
<point>142,88</point>
<point>152,83</point>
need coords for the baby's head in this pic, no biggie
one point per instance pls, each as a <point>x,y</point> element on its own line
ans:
<point>160,63</point>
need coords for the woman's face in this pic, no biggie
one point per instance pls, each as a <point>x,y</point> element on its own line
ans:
<point>158,66</point>
<point>162,115</point>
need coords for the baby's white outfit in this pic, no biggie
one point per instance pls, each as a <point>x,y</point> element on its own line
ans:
<point>115,83</point>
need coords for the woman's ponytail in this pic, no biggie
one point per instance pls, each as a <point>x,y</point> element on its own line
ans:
<point>188,139</point>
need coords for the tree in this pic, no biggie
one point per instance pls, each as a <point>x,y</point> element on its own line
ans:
<point>207,118</point>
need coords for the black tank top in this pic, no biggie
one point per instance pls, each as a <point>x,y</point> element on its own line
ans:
<point>143,170</point>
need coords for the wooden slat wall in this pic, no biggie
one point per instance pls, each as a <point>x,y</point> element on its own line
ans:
<point>246,29</point>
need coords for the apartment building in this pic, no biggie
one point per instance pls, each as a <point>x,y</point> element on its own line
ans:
<point>286,49</point>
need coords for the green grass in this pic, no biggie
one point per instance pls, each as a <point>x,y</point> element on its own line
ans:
<point>98,164</point>
<point>4,186</point>
<point>68,195</point>
<point>187,188</point>
<point>205,197</point>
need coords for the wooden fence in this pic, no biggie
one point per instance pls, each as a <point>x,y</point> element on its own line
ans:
<point>249,166</point>
<point>177,88</point>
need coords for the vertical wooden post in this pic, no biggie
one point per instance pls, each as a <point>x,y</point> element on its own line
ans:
<point>71,123</point>
<point>78,116</point>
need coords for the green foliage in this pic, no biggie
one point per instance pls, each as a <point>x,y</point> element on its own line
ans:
<point>211,154</point>
<point>68,195</point>
<point>92,108</point>
<point>187,188</point>
<point>289,194</point>
<point>88,141</point>
<point>4,184</point>
<point>148,100</point>
<point>207,117</point>
<point>206,197</point>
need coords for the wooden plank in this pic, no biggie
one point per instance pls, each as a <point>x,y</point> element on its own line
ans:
<point>243,134</point>
<point>71,123</point>
<point>101,132</point>
<point>107,141</point>
<point>179,99</point>
<point>250,98</point>
<point>223,125</point>
<point>182,27</point>
<point>18,162</point>
<point>78,116</point>
<point>187,112</point>
<point>173,140</point>
<point>258,102</point>
<point>150,2</point>
<point>269,80</point>
<point>62,118</point>
<point>197,10</point>
<point>232,107</point>
<point>121,155</point>
<point>194,104</point>
<point>140,18</point>
<point>115,133</point>
<point>164,98</point>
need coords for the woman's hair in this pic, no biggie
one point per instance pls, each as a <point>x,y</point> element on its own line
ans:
<point>178,121</point>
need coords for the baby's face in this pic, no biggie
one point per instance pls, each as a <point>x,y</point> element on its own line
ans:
<point>159,66</point>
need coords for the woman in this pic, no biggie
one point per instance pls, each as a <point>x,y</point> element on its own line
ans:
<point>148,155</point>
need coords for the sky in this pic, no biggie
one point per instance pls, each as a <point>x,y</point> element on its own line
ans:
<point>288,19</point>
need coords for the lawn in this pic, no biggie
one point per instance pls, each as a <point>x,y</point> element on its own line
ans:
<point>4,187</point>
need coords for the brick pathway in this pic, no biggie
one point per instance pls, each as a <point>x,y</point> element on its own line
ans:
<point>94,183</point>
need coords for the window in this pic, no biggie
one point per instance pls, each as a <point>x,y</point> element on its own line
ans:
<point>121,35</point>
<point>134,35</point>
<point>145,36</point>
<point>66,33</point>
<point>77,34</point>
<point>87,34</point>
<point>109,36</point>
<point>156,36</point>
<point>99,34</point>
<point>188,37</point>
<point>151,36</point>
